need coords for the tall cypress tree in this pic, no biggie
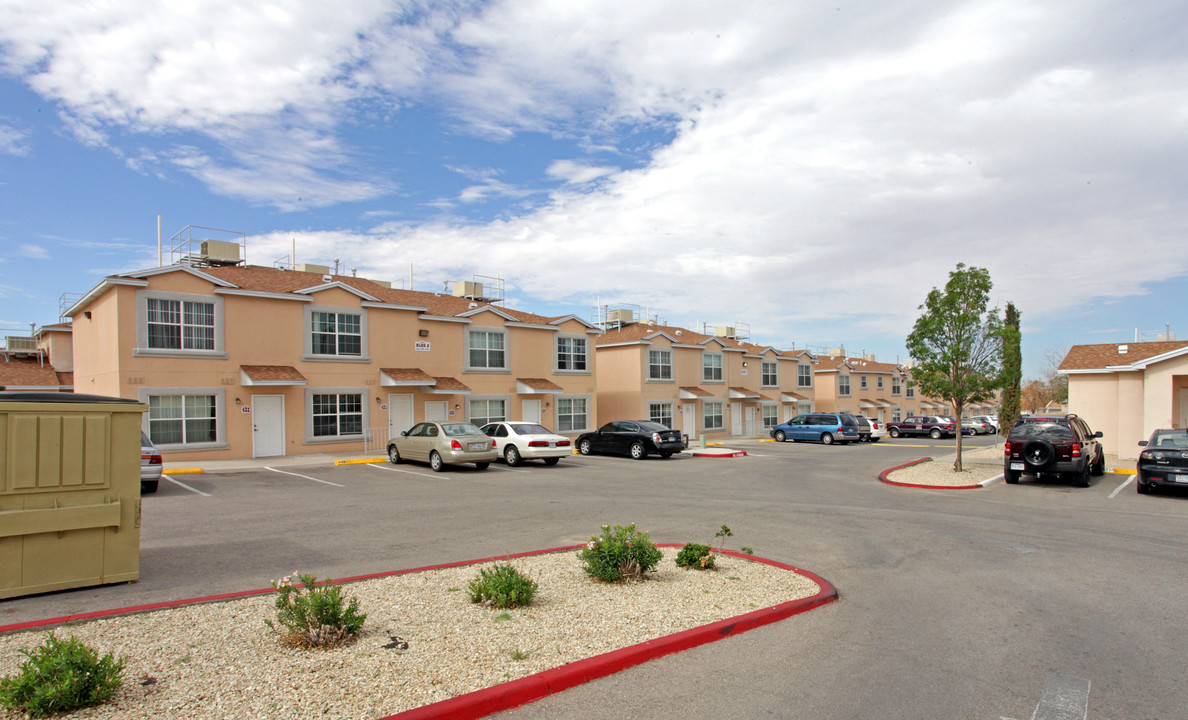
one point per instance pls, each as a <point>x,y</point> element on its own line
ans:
<point>1012,371</point>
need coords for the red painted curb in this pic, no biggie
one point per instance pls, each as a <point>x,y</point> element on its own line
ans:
<point>883,478</point>
<point>733,454</point>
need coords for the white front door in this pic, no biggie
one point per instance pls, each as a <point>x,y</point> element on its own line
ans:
<point>531,411</point>
<point>437,410</point>
<point>268,425</point>
<point>736,419</point>
<point>750,411</point>
<point>400,414</point>
<point>689,420</point>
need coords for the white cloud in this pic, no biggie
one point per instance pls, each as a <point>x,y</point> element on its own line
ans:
<point>13,141</point>
<point>577,173</point>
<point>37,252</point>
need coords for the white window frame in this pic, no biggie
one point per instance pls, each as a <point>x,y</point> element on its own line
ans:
<point>490,332</point>
<point>711,420</point>
<point>364,409</point>
<point>769,373</point>
<point>220,397</point>
<point>911,392</point>
<point>659,365</point>
<point>878,382</point>
<point>573,421</point>
<point>896,415</point>
<point>843,385</point>
<point>574,357</point>
<point>862,382</point>
<point>804,375</point>
<point>713,367</point>
<point>660,409</point>
<point>769,414</point>
<point>307,318</point>
<point>487,416</point>
<point>896,385</point>
<point>142,334</point>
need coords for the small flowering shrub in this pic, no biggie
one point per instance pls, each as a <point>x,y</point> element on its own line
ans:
<point>60,676</point>
<point>695,555</point>
<point>314,616</point>
<point>619,553</point>
<point>502,586</point>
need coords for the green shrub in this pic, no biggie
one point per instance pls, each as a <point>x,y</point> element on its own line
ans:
<point>695,555</point>
<point>619,553</point>
<point>59,676</point>
<point>502,586</point>
<point>314,616</point>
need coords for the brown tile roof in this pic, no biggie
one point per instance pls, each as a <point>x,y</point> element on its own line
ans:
<point>539,384</point>
<point>449,383</point>
<point>22,372</point>
<point>408,375</point>
<point>65,378</point>
<point>745,392</point>
<point>1099,357</point>
<point>697,391</point>
<point>262,373</point>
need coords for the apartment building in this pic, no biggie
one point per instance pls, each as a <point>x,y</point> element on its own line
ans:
<point>704,385</point>
<point>238,361</point>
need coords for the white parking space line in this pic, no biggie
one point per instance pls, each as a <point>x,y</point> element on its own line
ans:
<point>286,472</point>
<point>1129,479</point>
<point>409,472</point>
<point>1064,698</point>
<point>179,482</point>
<point>501,468</point>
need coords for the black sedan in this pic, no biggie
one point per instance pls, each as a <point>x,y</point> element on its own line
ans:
<point>636,438</point>
<point>1163,461</point>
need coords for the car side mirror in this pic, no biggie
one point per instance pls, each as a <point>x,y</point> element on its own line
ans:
<point>1142,443</point>
<point>1097,434</point>
<point>403,433</point>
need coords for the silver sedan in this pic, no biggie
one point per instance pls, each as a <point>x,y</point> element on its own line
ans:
<point>519,441</point>
<point>443,443</point>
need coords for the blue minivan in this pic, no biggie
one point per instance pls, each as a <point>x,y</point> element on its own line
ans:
<point>827,428</point>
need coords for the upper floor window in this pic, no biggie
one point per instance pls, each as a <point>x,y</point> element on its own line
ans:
<point>843,384</point>
<point>659,364</point>
<point>804,376</point>
<point>862,382</point>
<point>711,367</point>
<point>180,324</point>
<point>879,382</point>
<point>486,349</point>
<point>896,387</point>
<point>911,391</point>
<point>336,333</point>
<point>769,374</point>
<point>571,353</point>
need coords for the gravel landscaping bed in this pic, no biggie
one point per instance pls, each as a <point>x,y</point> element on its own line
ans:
<point>221,660</point>
<point>978,465</point>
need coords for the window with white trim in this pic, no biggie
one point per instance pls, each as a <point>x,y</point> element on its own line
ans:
<point>895,415</point>
<point>879,382</point>
<point>182,419</point>
<point>712,415</point>
<point>862,382</point>
<point>896,387</point>
<point>180,324</point>
<point>571,353</point>
<point>487,411</point>
<point>572,414</point>
<point>336,414</point>
<point>843,384</point>
<point>659,364</point>
<point>711,367</point>
<point>911,392</point>
<point>804,376</point>
<point>486,349</point>
<point>660,412</point>
<point>336,333</point>
<point>770,414</point>
<point>769,373</point>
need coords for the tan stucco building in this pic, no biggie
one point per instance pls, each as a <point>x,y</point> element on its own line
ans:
<point>242,361</point>
<point>1128,390</point>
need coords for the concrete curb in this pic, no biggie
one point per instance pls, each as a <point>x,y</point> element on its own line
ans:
<point>883,478</point>
<point>361,461</point>
<point>184,471</point>
<point>719,453</point>
<point>515,693</point>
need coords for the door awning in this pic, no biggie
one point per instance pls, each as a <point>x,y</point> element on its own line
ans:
<point>537,386</point>
<point>448,386</point>
<point>695,393</point>
<point>405,377</point>
<point>738,393</point>
<point>270,375</point>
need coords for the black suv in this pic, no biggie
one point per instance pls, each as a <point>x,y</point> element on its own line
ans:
<point>1053,445</point>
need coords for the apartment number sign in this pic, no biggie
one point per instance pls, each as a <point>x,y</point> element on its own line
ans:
<point>421,346</point>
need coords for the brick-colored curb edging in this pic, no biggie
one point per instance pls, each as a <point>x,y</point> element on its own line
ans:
<point>531,688</point>
<point>883,478</point>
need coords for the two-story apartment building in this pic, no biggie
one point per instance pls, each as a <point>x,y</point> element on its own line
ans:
<point>701,384</point>
<point>240,361</point>
<point>883,391</point>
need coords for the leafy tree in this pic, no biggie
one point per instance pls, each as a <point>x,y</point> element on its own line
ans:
<point>1012,371</point>
<point>1057,383</point>
<point>957,343</point>
<point>1036,396</point>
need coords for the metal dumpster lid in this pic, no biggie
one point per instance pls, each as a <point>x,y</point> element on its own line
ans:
<point>58,397</point>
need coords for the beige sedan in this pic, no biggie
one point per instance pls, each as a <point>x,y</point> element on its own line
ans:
<point>443,443</point>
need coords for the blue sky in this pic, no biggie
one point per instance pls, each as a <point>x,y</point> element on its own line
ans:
<point>808,169</point>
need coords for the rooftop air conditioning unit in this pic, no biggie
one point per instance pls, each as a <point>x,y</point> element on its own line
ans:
<point>20,343</point>
<point>220,250</point>
<point>620,315</point>
<point>383,283</point>
<point>466,288</point>
<point>310,268</point>
<point>724,331</point>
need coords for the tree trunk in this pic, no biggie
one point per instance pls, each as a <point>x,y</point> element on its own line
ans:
<point>957,409</point>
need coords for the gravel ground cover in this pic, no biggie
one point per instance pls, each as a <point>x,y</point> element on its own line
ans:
<point>221,660</point>
<point>978,465</point>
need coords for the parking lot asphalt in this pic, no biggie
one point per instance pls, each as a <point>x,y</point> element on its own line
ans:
<point>954,605</point>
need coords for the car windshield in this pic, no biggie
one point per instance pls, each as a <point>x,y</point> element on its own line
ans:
<point>651,426</point>
<point>1050,431</point>
<point>456,429</point>
<point>1176,441</point>
<point>530,430</point>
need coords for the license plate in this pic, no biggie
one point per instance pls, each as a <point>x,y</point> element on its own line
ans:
<point>1016,466</point>
<point>478,446</point>
<point>1178,478</point>
<point>552,444</point>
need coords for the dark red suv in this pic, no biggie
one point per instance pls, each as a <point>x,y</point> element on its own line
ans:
<point>1053,445</point>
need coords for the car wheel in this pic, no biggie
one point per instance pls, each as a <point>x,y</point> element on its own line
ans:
<point>552,461</point>
<point>1081,479</point>
<point>780,436</point>
<point>1143,488</point>
<point>637,451</point>
<point>1039,453</point>
<point>935,434</point>
<point>666,453</point>
<point>1011,476</point>
<point>1098,468</point>
<point>435,462</point>
<point>584,447</point>
<point>893,432</point>
<point>827,438</point>
<point>393,455</point>
<point>482,465</point>
<point>148,487</point>
<point>875,440</point>
<point>512,456</point>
